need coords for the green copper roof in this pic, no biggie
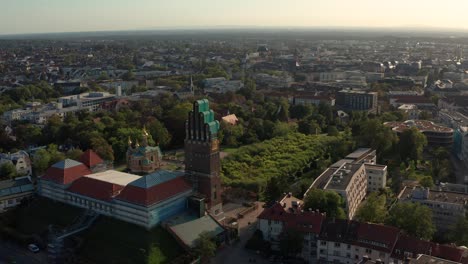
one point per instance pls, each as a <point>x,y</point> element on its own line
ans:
<point>203,105</point>
<point>209,116</point>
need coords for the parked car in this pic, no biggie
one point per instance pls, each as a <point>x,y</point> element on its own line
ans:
<point>33,248</point>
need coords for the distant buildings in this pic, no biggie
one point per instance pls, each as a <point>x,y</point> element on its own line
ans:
<point>312,99</point>
<point>447,207</point>
<point>436,135</point>
<point>459,123</point>
<point>354,100</point>
<point>221,85</point>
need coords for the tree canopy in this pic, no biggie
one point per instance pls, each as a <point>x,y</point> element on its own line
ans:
<point>415,219</point>
<point>373,209</point>
<point>325,201</point>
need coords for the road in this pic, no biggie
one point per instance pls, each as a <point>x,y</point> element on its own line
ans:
<point>11,253</point>
<point>236,253</point>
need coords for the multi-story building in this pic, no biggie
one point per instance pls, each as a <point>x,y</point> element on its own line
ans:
<point>13,191</point>
<point>459,123</point>
<point>436,135</point>
<point>202,160</point>
<point>356,100</point>
<point>447,207</point>
<point>91,99</point>
<point>349,180</point>
<point>286,214</point>
<point>353,177</point>
<point>346,241</point>
<point>312,99</point>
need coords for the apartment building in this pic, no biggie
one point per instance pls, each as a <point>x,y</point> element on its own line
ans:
<point>447,207</point>
<point>347,241</point>
<point>436,135</point>
<point>353,177</point>
<point>356,100</point>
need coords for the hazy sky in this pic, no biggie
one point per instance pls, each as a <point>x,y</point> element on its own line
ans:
<point>34,16</point>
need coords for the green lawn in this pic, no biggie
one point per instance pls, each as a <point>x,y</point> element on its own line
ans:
<point>114,242</point>
<point>36,217</point>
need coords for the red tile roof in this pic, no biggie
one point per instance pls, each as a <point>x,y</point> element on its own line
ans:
<point>95,188</point>
<point>379,237</point>
<point>154,194</point>
<point>302,221</point>
<point>416,246</point>
<point>90,158</point>
<point>65,175</point>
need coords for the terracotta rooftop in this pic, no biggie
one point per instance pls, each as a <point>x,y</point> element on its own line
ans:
<point>90,158</point>
<point>95,188</point>
<point>154,194</point>
<point>66,171</point>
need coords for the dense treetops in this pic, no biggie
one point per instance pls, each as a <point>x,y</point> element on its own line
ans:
<point>288,156</point>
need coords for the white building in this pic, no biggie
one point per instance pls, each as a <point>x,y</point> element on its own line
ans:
<point>12,192</point>
<point>20,160</point>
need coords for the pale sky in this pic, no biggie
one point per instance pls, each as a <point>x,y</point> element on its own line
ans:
<point>37,16</point>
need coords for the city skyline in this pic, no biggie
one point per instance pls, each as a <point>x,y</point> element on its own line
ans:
<point>51,16</point>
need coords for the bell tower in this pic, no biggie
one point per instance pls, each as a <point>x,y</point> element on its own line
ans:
<point>202,161</point>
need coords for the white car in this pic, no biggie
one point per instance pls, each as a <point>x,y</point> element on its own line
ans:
<point>33,248</point>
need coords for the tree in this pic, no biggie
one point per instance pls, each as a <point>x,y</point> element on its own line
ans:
<point>426,182</point>
<point>272,190</point>
<point>308,127</point>
<point>41,161</point>
<point>413,218</point>
<point>373,210</point>
<point>325,201</point>
<point>159,132</point>
<point>459,233</point>
<point>333,131</point>
<point>102,148</point>
<point>7,170</point>
<point>290,242</point>
<point>300,111</point>
<point>411,145</point>
<point>374,134</point>
<point>74,154</point>
<point>204,247</point>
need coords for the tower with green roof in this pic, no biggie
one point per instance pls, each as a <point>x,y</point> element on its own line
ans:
<point>202,161</point>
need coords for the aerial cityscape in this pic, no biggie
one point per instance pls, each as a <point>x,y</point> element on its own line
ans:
<point>187,132</point>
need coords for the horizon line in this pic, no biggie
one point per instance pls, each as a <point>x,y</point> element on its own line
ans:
<point>419,28</point>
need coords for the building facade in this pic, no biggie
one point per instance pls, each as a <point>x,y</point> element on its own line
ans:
<point>352,178</point>
<point>143,158</point>
<point>355,100</point>
<point>447,207</point>
<point>202,160</point>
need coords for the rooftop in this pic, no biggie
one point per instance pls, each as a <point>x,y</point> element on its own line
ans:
<point>10,187</point>
<point>189,231</point>
<point>115,177</point>
<point>339,178</point>
<point>421,125</point>
<point>421,193</point>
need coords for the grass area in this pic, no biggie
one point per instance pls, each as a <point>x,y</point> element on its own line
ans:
<point>35,217</point>
<point>114,242</point>
<point>229,150</point>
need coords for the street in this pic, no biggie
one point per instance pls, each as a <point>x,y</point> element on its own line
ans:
<point>11,253</point>
<point>236,253</point>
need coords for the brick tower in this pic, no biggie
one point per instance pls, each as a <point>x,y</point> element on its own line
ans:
<point>202,162</point>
